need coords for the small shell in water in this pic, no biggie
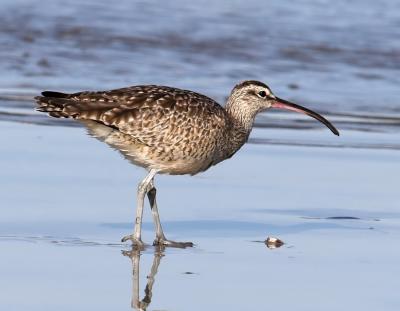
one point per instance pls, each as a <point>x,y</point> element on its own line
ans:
<point>272,242</point>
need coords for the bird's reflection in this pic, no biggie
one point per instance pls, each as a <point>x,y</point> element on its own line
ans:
<point>134,255</point>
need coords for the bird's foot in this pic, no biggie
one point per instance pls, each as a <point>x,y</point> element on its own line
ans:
<point>169,243</point>
<point>135,241</point>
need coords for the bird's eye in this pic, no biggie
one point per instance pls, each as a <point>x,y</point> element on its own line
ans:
<point>262,94</point>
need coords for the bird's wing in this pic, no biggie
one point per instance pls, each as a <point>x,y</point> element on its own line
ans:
<point>151,114</point>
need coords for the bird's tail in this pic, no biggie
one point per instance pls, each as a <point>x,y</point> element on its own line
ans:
<point>54,103</point>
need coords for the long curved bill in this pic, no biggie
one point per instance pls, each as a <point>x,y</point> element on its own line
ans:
<point>284,104</point>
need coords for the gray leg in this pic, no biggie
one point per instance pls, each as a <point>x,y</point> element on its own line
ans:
<point>151,194</point>
<point>142,189</point>
<point>160,237</point>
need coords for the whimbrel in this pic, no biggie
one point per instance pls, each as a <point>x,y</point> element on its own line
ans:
<point>168,130</point>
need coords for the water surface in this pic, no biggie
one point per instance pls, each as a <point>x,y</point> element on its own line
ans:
<point>67,199</point>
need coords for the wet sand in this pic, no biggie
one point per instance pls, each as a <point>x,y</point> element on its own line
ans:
<point>67,199</point>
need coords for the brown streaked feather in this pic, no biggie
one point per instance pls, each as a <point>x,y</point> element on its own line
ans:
<point>171,122</point>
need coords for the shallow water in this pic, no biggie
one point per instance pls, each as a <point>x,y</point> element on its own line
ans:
<point>67,199</point>
<point>341,60</point>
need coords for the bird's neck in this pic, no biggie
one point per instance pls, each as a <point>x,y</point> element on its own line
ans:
<point>241,124</point>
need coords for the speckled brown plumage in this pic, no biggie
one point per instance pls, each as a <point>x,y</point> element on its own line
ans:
<point>172,130</point>
<point>168,130</point>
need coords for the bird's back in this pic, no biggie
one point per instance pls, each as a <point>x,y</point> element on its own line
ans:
<point>173,130</point>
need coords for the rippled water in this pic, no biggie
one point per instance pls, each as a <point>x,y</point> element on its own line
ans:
<point>67,199</point>
<point>340,59</point>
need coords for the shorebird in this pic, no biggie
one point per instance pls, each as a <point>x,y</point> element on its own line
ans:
<point>168,130</point>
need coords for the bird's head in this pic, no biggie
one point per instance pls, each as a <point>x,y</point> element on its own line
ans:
<point>250,97</point>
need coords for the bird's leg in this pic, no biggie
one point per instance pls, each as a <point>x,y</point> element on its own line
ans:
<point>160,237</point>
<point>142,189</point>
<point>151,194</point>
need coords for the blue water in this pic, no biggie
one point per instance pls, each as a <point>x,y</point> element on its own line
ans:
<point>67,199</point>
<point>340,57</point>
